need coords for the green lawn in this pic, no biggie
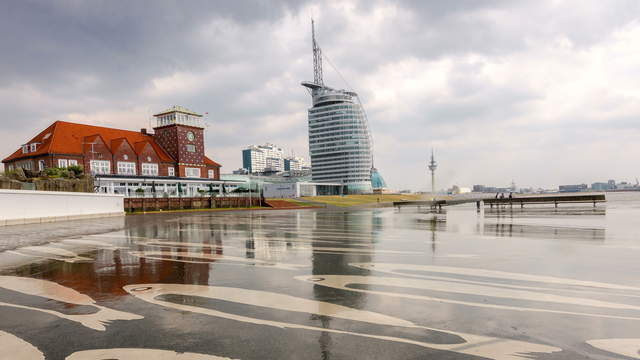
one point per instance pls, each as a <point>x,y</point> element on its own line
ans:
<point>351,200</point>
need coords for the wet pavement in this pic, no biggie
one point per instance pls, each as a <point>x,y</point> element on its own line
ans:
<point>533,283</point>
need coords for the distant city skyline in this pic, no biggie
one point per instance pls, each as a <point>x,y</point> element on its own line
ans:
<point>269,157</point>
<point>541,92</point>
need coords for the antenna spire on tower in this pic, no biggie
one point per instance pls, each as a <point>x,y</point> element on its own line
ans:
<point>317,57</point>
<point>433,165</point>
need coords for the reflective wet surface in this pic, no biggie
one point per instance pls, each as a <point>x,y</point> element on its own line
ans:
<point>533,283</point>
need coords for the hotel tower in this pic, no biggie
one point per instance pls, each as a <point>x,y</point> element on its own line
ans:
<point>339,138</point>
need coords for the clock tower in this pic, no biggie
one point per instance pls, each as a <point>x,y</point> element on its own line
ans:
<point>180,132</point>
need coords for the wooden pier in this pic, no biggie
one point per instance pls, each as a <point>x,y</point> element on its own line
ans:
<point>521,200</point>
<point>546,199</point>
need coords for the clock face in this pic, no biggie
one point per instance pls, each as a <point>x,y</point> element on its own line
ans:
<point>190,136</point>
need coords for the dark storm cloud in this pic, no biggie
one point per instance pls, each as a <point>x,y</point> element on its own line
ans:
<point>435,29</point>
<point>105,53</point>
<point>48,41</point>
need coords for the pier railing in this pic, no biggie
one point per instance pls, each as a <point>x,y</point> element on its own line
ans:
<point>547,199</point>
<point>517,200</point>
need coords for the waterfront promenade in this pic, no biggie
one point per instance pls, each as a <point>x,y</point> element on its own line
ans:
<point>533,283</point>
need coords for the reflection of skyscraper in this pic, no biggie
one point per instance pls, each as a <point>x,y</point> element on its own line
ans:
<point>325,226</point>
<point>339,139</point>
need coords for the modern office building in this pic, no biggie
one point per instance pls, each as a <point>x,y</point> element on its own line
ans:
<point>339,139</point>
<point>263,158</point>
<point>603,186</point>
<point>281,185</point>
<point>294,163</point>
<point>573,188</point>
<point>169,161</point>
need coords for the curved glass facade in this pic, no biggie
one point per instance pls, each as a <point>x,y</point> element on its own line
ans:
<point>339,141</point>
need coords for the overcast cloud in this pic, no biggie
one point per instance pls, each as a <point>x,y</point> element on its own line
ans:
<point>541,92</point>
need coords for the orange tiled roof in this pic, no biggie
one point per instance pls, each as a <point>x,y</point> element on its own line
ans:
<point>139,146</point>
<point>67,138</point>
<point>116,143</point>
<point>44,140</point>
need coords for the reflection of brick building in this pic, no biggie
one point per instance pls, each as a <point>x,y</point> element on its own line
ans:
<point>175,151</point>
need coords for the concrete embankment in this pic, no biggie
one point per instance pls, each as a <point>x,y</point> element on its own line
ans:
<point>27,207</point>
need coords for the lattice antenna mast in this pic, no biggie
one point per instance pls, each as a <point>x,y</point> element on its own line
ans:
<point>433,165</point>
<point>317,57</point>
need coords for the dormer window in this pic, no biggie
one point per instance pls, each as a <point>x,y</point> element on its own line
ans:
<point>25,149</point>
<point>34,147</point>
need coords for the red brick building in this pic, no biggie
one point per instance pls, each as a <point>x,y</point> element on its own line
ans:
<point>174,151</point>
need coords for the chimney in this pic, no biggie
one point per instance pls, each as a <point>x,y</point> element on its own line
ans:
<point>143,131</point>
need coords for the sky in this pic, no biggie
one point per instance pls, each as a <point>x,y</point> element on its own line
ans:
<point>541,92</point>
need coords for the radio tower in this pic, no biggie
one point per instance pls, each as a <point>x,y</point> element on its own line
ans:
<point>317,57</point>
<point>432,167</point>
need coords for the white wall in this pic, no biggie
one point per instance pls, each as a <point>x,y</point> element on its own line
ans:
<point>281,190</point>
<point>25,206</point>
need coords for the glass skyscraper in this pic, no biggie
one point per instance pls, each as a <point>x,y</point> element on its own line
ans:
<point>339,139</point>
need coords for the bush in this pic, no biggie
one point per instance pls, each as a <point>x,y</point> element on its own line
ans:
<point>70,172</point>
<point>30,174</point>
<point>57,172</point>
<point>77,170</point>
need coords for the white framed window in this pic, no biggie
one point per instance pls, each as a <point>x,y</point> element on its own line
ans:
<point>100,166</point>
<point>26,165</point>
<point>25,149</point>
<point>149,169</point>
<point>171,171</point>
<point>40,165</point>
<point>34,147</point>
<point>73,162</point>
<point>126,168</point>
<point>192,172</point>
<point>191,148</point>
<point>210,174</point>
<point>63,163</point>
